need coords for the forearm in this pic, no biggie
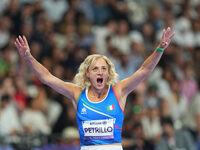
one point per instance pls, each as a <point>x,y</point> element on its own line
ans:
<point>143,72</point>
<point>151,62</point>
<point>40,71</point>
<point>129,84</point>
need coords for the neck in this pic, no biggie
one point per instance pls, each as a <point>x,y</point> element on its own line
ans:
<point>98,93</point>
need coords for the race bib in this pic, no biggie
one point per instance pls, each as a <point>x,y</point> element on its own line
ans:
<point>98,129</point>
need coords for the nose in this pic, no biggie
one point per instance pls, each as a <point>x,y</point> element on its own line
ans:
<point>100,72</point>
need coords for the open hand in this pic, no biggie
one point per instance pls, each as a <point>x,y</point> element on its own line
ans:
<point>22,46</point>
<point>166,38</point>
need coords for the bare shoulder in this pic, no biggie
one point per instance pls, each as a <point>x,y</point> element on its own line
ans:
<point>76,91</point>
<point>117,87</point>
<point>120,87</point>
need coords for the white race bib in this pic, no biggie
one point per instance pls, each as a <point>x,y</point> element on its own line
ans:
<point>98,129</point>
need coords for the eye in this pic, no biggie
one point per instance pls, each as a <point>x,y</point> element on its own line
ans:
<point>95,69</point>
<point>104,68</point>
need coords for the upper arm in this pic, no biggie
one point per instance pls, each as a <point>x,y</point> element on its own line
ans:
<point>67,89</point>
<point>129,84</point>
<point>126,86</point>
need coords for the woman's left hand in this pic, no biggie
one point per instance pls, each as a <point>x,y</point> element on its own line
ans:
<point>166,38</point>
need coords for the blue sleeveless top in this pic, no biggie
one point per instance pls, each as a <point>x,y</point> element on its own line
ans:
<point>99,122</point>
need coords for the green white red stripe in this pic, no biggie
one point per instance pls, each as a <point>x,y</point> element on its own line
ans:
<point>111,107</point>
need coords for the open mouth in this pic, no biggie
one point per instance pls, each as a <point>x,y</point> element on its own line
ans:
<point>99,80</point>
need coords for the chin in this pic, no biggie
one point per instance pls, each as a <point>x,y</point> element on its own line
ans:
<point>101,86</point>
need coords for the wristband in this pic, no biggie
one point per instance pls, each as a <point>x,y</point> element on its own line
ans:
<point>160,49</point>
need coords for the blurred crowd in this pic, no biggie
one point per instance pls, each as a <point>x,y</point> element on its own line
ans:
<point>163,113</point>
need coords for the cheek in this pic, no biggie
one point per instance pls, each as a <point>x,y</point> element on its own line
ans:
<point>107,77</point>
<point>107,74</point>
<point>91,77</point>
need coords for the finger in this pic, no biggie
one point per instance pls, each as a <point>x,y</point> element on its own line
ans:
<point>17,46</point>
<point>18,43</point>
<point>172,35</point>
<point>25,40</point>
<point>21,40</point>
<point>168,31</point>
<point>163,34</point>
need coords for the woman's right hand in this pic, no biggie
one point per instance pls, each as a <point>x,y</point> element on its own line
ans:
<point>22,46</point>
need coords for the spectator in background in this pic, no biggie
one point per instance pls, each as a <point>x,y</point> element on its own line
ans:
<point>5,61</point>
<point>13,11</point>
<point>125,67</point>
<point>184,28</point>
<point>154,17</point>
<point>20,94</point>
<point>3,5</point>
<point>100,11</point>
<point>138,139</point>
<point>103,36</point>
<point>9,119</point>
<point>85,36</point>
<point>151,97</point>
<point>33,119</point>
<point>122,39</point>
<point>191,118</point>
<point>135,107</point>
<point>161,78</point>
<point>5,26</point>
<point>137,48</point>
<point>151,124</point>
<point>55,9</point>
<point>71,138</point>
<point>189,84</point>
<point>119,9</point>
<point>178,104</point>
<point>164,108</point>
<point>7,87</point>
<point>148,35</point>
<point>172,138</point>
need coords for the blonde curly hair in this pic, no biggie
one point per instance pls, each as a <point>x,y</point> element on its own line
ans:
<point>80,78</point>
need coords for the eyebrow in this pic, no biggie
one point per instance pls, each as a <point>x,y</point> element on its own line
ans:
<point>100,66</point>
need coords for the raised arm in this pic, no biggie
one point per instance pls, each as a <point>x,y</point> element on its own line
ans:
<point>124,87</point>
<point>67,89</point>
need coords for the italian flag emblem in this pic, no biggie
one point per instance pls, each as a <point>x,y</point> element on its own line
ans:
<point>111,107</point>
